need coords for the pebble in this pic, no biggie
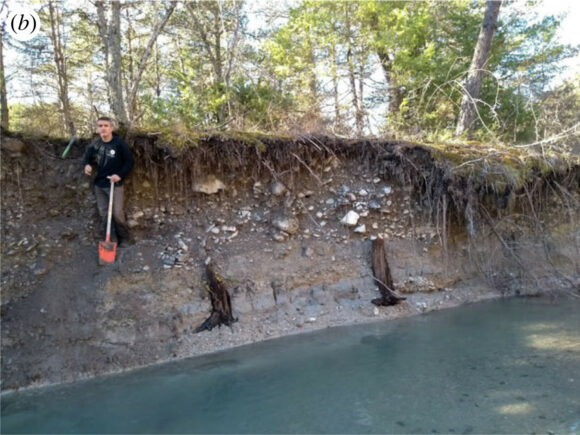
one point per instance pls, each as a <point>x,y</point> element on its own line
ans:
<point>421,306</point>
<point>278,188</point>
<point>361,229</point>
<point>40,271</point>
<point>288,225</point>
<point>350,219</point>
<point>279,237</point>
<point>387,190</point>
<point>363,192</point>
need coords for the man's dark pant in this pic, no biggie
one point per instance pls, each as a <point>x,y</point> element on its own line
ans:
<point>119,228</point>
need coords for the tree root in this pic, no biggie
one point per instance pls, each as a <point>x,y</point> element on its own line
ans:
<point>221,305</point>
<point>382,275</point>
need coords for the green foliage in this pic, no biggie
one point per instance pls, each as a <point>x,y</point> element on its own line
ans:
<point>259,106</point>
<point>45,119</point>
<point>208,72</point>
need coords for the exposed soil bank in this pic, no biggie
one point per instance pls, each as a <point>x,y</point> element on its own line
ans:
<point>273,230</point>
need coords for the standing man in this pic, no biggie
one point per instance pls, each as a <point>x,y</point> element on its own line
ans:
<point>114,162</point>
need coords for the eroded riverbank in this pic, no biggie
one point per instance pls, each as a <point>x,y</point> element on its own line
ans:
<point>279,237</point>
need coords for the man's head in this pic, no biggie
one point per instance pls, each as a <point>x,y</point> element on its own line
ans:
<point>105,128</point>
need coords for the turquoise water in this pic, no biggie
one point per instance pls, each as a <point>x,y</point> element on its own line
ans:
<point>510,366</point>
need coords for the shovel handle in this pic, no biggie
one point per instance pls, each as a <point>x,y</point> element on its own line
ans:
<point>110,212</point>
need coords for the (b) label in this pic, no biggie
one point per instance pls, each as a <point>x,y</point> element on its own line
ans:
<point>22,23</point>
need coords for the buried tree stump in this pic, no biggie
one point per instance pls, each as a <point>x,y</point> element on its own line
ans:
<point>382,275</point>
<point>221,306</point>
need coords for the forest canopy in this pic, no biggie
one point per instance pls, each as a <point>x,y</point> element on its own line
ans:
<point>354,69</point>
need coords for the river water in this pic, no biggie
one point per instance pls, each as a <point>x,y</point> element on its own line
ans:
<point>509,366</point>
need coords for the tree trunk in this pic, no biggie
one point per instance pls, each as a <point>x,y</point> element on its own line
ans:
<point>110,33</point>
<point>221,305</point>
<point>475,74</point>
<point>4,121</point>
<point>116,69</point>
<point>132,100</point>
<point>360,116</point>
<point>394,91</point>
<point>349,59</point>
<point>157,73</point>
<point>337,117</point>
<point>61,67</point>
<point>93,116</point>
<point>382,274</point>
<point>129,62</point>
<point>211,36</point>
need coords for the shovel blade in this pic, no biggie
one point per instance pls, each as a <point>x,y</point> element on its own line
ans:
<point>107,252</point>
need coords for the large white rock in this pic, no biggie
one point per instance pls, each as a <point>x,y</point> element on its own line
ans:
<point>350,219</point>
<point>209,185</point>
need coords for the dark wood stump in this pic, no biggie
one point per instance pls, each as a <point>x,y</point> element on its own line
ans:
<point>221,306</point>
<point>382,275</point>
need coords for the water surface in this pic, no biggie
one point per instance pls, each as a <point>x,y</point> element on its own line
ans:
<point>510,366</point>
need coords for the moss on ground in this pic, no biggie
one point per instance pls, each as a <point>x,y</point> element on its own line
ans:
<point>502,167</point>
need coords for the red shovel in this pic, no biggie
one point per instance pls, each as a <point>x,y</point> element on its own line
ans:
<point>108,249</point>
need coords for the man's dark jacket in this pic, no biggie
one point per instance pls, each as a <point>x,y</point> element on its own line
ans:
<point>112,157</point>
